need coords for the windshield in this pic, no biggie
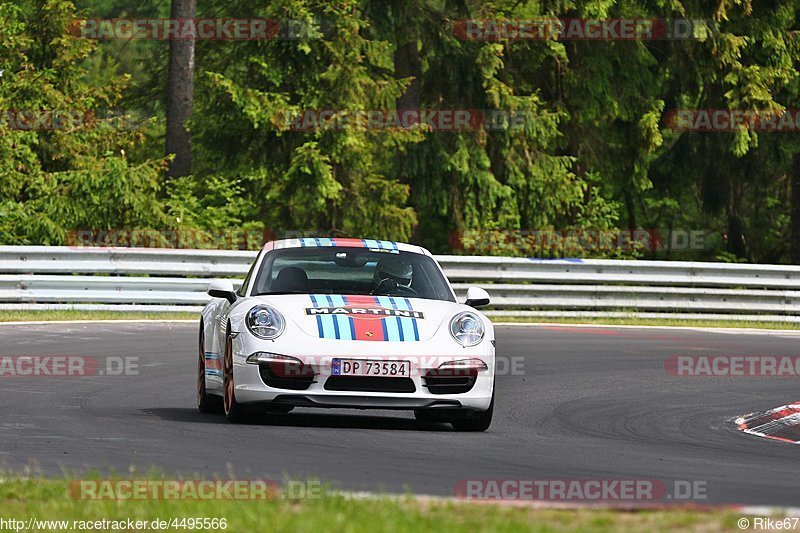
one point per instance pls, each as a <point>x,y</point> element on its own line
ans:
<point>340,270</point>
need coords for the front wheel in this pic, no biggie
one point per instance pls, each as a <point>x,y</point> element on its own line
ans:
<point>234,411</point>
<point>278,409</point>
<point>206,403</point>
<point>427,416</point>
<point>477,421</point>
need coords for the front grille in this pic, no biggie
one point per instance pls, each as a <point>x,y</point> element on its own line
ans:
<point>450,381</point>
<point>290,376</point>
<point>369,384</point>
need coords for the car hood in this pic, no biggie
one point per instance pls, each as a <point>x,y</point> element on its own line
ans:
<point>364,318</point>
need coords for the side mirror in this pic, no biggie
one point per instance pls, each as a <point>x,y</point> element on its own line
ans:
<point>477,297</point>
<point>222,288</point>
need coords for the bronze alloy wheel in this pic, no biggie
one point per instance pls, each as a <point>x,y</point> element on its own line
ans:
<point>228,384</point>
<point>201,370</point>
<point>234,411</point>
<point>206,403</point>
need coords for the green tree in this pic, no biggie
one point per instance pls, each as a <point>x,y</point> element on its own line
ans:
<point>69,170</point>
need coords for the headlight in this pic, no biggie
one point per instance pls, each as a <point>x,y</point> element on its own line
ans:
<point>265,322</point>
<point>467,328</point>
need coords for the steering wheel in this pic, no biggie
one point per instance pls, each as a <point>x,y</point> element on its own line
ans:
<point>389,286</point>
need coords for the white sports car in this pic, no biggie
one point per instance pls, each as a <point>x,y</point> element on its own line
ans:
<point>353,323</point>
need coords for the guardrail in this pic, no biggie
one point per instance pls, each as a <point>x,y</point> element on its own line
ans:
<point>130,279</point>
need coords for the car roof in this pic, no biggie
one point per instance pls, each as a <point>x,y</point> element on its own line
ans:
<point>372,244</point>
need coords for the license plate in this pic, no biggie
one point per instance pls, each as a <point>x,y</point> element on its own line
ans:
<point>365,367</point>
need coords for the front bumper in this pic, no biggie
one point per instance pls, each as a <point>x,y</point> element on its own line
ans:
<point>420,390</point>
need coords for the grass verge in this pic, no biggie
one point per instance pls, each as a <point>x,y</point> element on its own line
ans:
<point>47,499</point>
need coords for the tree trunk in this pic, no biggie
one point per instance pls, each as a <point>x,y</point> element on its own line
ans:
<point>736,241</point>
<point>407,63</point>
<point>180,94</point>
<point>794,241</point>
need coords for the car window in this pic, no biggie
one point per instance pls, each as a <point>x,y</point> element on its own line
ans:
<point>243,289</point>
<point>341,270</point>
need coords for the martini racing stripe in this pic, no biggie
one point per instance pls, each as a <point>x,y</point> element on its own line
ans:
<point>373,244</point>
<point>380,245</point>
<point>342,326</point>
<point>213,364</point>
<point>400,328</point>
<point>332,326</point>
<point>315,241</point>
<point>365,328</point>
<point>369,330</point>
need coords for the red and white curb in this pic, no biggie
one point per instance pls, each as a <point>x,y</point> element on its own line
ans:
<point>781,423</point>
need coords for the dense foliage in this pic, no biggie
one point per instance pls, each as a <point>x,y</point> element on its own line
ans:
<point>595,151</point>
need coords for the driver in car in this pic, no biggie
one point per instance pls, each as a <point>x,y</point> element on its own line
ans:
<point>392,276</point>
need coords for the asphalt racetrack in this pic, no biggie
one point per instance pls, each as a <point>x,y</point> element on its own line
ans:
<point>586,403</point>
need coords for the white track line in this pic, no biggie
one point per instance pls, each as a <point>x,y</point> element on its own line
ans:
<point>566,505</point>
<point>705,329</point>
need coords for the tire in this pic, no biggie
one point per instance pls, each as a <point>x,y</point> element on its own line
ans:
<point>206,403</point>
<point>234,411</point>
<point>426,416</point>
<point>479,421</point>
<point>278,409</point>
